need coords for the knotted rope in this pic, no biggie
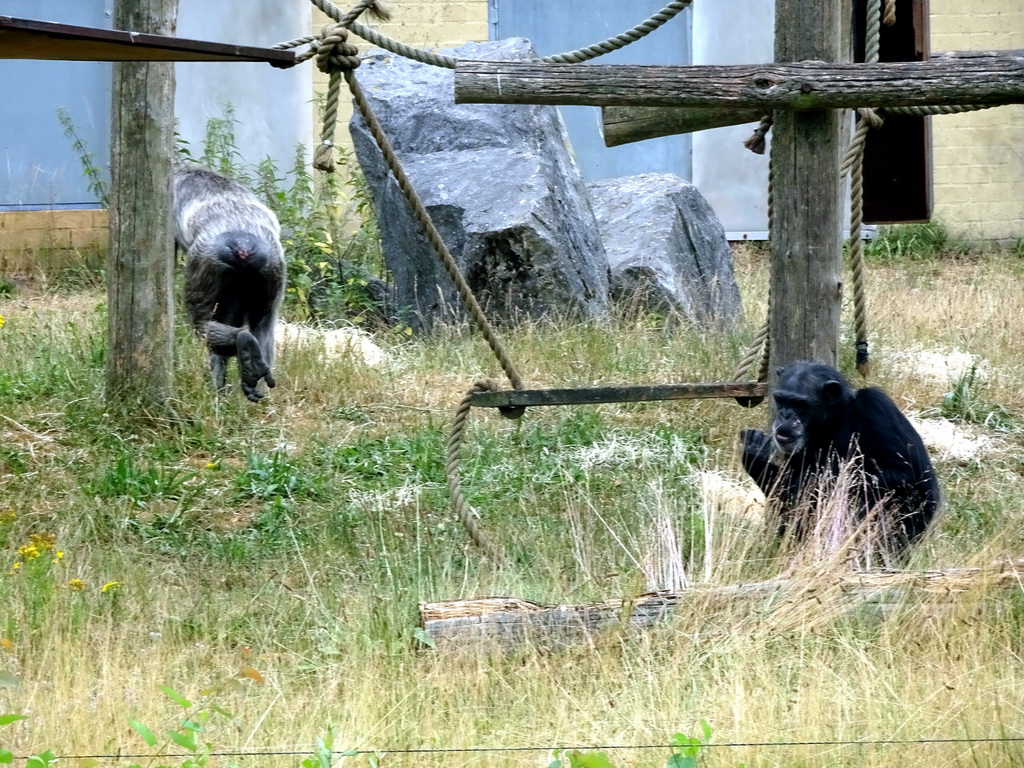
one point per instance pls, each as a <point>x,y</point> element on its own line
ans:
<point>760,350</point>
<point>466,514</point>
<point>853,164</point>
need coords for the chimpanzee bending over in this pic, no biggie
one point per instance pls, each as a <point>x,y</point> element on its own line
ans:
<point>234,273</point>
<point>823,425</point>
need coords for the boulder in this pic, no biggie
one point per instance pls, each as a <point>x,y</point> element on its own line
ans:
<point>501,185</point>
<point>666,249</point>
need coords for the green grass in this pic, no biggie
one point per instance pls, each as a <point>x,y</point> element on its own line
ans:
<point>276,554</point>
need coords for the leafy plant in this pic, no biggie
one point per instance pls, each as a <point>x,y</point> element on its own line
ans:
<point>686,748</point>
<point>964,402</point>
<point>6,756</point>
<point>98,185</point>
<point>324,752</point>
<point>898,243</point>
<point>139,483</point>
<point>188,734</point>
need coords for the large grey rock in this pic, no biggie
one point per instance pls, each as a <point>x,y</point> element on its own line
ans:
<point>501,186</point>
<point>666,248</point>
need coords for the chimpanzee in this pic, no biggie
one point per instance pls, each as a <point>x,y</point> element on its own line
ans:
<point>822,426</point>
<point>234,273</point>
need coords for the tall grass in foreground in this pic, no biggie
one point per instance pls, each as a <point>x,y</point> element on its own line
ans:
<point>275,554</point>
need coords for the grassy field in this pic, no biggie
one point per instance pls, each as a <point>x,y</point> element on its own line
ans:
<point>269,559</point>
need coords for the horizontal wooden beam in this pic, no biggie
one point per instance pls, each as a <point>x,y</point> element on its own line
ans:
<point>624,125</point>
<point>592,396</point>
<point>988,78</point>
<point>44,40</point>
<point>782,604</point>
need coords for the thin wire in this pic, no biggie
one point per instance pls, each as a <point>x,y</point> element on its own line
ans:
<point>432,751</point>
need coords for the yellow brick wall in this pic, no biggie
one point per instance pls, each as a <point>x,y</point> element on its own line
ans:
<point>979,160</point>
<point>428,24</point>
<point>31,241</point>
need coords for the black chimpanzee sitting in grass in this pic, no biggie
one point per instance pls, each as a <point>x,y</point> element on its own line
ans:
<point>823,427</point>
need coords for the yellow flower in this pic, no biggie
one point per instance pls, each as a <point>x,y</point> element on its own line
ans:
<point>110,586</point>
<point>76,584</point>
<point>1,321</point>
<point>7,516</point>
<point>58,556</point>
<point>211,465</point>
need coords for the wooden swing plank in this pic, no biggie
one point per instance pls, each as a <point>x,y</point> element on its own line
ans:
<point>592,396</point>
<point>45,40</point>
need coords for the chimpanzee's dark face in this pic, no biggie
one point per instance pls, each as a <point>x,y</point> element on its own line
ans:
<point>805,402</point>
<point>789,431</point>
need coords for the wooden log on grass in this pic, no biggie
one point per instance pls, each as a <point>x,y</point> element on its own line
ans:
<point>780,604</point>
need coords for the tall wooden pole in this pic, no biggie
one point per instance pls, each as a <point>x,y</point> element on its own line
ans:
<point>806,249</point>
<point>140,267</point>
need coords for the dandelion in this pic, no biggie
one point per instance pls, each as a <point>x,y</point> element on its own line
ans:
<point>58,556</point>
<point>211,465</point>
<point>110,586</point>
<point>1,321</point>
<point>76,585</point>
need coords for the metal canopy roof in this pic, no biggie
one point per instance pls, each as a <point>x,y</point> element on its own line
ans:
<point>30,39</point>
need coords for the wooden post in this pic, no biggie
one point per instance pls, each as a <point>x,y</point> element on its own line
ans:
<point>140,266</point>
<point>806,247</point>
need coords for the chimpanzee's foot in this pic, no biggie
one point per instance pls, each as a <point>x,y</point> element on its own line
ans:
<point>251,365</point>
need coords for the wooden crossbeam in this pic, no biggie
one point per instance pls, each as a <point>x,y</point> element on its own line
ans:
<point>30,39</point>
<point>595,395</point>
<point>984,78</point>
<point>623,125</point>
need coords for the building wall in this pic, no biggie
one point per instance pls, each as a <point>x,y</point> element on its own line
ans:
<point>51,239</point>
<point>979,161</point>
<point>979,164</point>
<point>428,24</point>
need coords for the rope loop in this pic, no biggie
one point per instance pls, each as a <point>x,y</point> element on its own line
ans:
<point>466,514</point>
<point>872,118</point>
<point>333,51</point>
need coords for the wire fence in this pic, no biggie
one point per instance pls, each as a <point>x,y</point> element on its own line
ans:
<point>297,752</point>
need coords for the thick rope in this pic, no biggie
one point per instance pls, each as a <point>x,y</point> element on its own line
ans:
<point>433,236</point>
<point>951,109</point>
<point>854,164</point>
<point>890,13</point>
<point>333,55</point>
<point>761,349</point>
<point>621,40</point>
<point>448,62</point>
<point>459,505</point>
<point>466,514</point>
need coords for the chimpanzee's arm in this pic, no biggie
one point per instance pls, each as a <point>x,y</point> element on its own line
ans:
<point>757,460</point>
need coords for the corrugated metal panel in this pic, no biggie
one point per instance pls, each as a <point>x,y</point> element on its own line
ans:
<point>272,106</point>
<point>38,166</point>
<point>733,179</point>
<point>40,169</point>
<point>568,24</point>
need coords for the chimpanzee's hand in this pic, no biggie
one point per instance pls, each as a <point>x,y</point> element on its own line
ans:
<point>756,443</point>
